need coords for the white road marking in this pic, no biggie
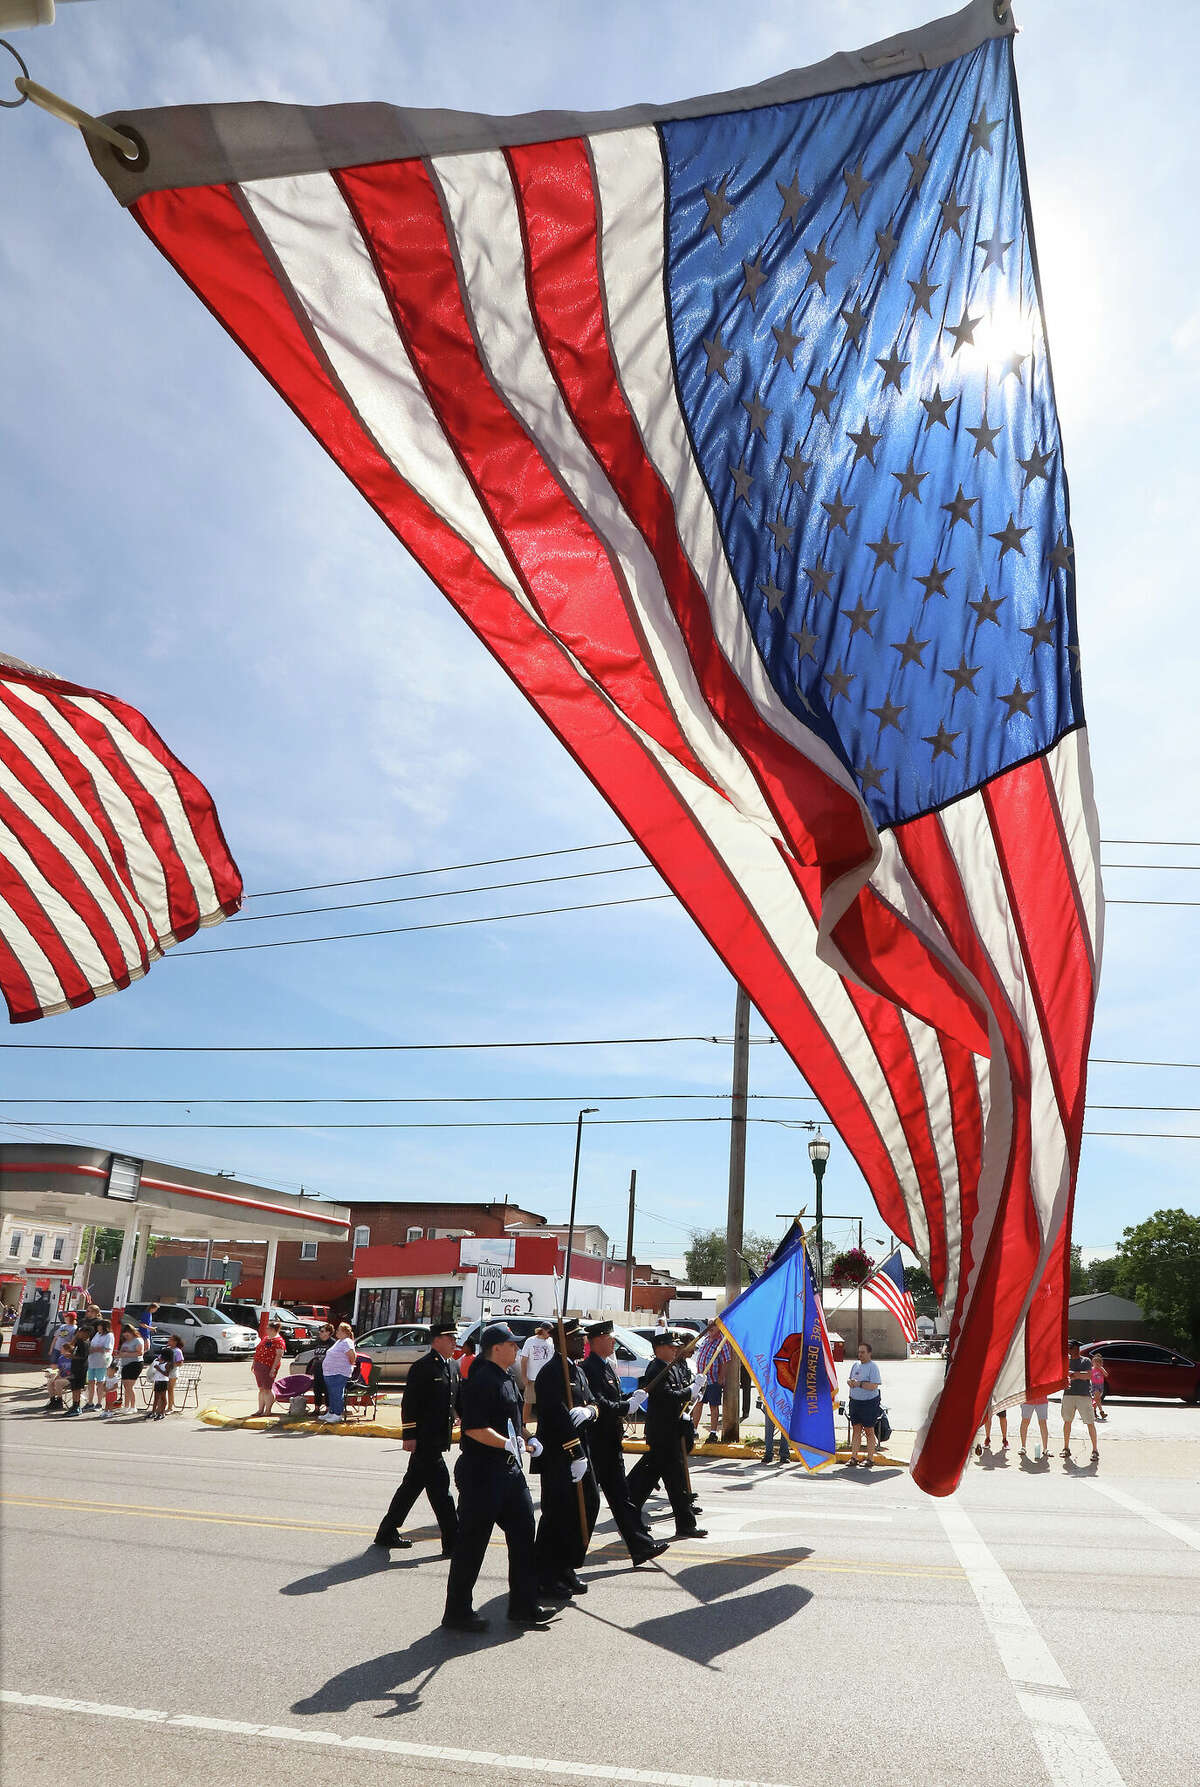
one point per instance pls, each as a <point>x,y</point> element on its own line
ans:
<point>1071,1748</point>
<point>1189,1534</point>
<point>484,1759</point>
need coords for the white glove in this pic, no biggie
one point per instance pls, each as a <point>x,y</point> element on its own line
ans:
<point>512,1446</point>
<point>585,1412</point>
<point>697,1385</point>
<point>534,1448</point>
<point>637,1400</point>
<point>579,1470</point>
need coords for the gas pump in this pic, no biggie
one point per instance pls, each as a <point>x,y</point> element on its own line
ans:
<point>205,1290</point>
<point>45,1296</point>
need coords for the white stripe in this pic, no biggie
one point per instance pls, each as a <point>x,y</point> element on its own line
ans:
<point>483,215</point>
<point>307,223</point>
<point>1189,1535</point>
<point>1071,1749</point>
<point>383,1746</point>
<point>159,783</point>
<point>144,865</point>
<point>1070,768</point>
<point>22,739</point>
<point>62,918</point>
<point>321,253</point>
<point>47,988</point>
<point>57,834</point>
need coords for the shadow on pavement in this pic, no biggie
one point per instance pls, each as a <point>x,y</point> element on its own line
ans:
<point>698,1636</point>
<point>711,1581</point>
<point>387,1677</point>
<point>993,1461</point>
<point>349,1569</point>
<point>878,1473</point>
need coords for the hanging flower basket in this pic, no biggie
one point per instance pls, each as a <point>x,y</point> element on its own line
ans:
<point>850,1268</point>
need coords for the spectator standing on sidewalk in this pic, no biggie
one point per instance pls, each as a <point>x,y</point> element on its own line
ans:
<point>537,1351</point>
<point>338,1365</point>
<point>100,1351</point>
<point>1077,1400</point>
<point>131,1357</point>
<point>268,1356</point>
<point>1028,1411</point>
<point>865,1400</point>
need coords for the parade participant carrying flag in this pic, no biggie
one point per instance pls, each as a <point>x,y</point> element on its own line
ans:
<point>886,1285</point>
<point>777,1329</point>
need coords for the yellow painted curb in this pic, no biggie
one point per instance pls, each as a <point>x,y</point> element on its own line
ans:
<point>385,1430</point>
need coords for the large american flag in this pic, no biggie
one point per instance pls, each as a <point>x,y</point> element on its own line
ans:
<point>729,427</point>
<point>886,1285</point>
<point>110,850</point>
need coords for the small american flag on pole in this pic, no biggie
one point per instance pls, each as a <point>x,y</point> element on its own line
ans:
<point>730,429</point>
<point>886,1285</point>
<point>110,850</point>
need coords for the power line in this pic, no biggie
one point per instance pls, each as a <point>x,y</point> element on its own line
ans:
<point>360,1048</point>
<point>1186,868</point>
<point>1150,1135</point>
<point>1155,843</point>
<point>447,893</point>
<point>487,862</point>
<point>448,924</point>
<point>567,1098</point>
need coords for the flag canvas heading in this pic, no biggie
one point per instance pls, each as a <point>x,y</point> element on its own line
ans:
<point>729,427</point>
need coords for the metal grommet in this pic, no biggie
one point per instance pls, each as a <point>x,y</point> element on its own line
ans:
<point>20,61</point>
<point>133,164</point>
<point>1000,10</point>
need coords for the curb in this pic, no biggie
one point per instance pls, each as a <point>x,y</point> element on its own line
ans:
<point>380,1430</point>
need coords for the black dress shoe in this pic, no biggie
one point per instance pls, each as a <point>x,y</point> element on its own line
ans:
<point>691,1532</point>
<point>464,1622</point>
<point>646,1552</point>
<point>532,1616</point>
<point>576,1584</point>
<point>555,1591</point>
<point>392,1542</point>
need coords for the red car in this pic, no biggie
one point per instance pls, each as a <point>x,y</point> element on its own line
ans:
<point>1135,1368</point>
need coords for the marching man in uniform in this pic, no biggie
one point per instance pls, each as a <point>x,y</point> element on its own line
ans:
<point>604,1443</point>
<point>670,1389</point>
<point>564,1427</point>
<point>427,1411</point>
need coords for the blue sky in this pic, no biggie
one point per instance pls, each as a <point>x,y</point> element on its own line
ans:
<point>173,536</point>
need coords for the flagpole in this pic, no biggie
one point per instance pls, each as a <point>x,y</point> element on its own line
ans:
<point>731,1401</point>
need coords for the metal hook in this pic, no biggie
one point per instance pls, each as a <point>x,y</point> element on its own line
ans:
<point>127,144</point>
<point>20,61</point>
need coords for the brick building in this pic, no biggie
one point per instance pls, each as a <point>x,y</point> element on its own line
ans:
<point>322,1271</point>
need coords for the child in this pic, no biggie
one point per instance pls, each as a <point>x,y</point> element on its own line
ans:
<point>176,1362</point>
<point>112,1391</point>
<point>1098,1382</point>
<point>161,1367</point>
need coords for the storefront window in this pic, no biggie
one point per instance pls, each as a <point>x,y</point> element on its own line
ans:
<point>394,1303</point>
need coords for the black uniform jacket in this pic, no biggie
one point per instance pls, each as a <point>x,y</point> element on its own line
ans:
<point>669,1392</point>
<point>613,1405</point>
<point>562,1440</point>
<point>427,1407</point>
<point>489,1397</point>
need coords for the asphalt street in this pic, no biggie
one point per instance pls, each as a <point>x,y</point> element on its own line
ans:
<point>182,1602</point>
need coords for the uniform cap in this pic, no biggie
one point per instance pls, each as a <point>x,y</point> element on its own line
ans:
<point>440,1328</point>
<point>497,1335</point>
<point>595,1328</point>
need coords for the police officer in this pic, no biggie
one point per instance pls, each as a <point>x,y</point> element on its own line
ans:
<point>427,1411</point>
<point>669,1390</point>
<point>564,1426</point>
<point>492,1490</point>
<point>604,1443</point>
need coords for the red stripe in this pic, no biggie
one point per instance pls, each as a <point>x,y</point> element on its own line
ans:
<point>564,566</point>
<point>19,996</point>
<point>76,987</point>
<point>31,778</point>
<point>1013,1245</point>
<point>823,823</point>
<point>203,232</point>
<point>1047,913</point>
<point>69,887</point>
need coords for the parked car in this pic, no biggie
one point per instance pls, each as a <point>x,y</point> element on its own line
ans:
<point>391,1351</point>
<point>202,1333</point>
<point>630,1358</point>
<point>316,1314</point>
<point>296,1332</point>
<point>1136,1368</point>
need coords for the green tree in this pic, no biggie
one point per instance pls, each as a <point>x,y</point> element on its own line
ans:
<point>1159,1267</point>
<point>704,1260</point>
<point>1079,1282</point>
<point>919,1286</point>
<point>1102,1275</point>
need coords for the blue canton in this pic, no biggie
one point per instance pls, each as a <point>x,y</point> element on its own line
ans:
<point>860,356</point>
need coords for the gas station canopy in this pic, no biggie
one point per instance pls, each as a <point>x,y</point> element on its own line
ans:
<point>53,1183</point>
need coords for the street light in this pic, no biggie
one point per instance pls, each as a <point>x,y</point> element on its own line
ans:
<point>818,1153</point>
<point>587,1111</point>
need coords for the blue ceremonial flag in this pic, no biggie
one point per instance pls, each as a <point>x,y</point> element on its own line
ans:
<point>778,1331</point>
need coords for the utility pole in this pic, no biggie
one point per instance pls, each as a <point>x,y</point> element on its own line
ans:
<point>731,1402</point>
<point>629,1241</point>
